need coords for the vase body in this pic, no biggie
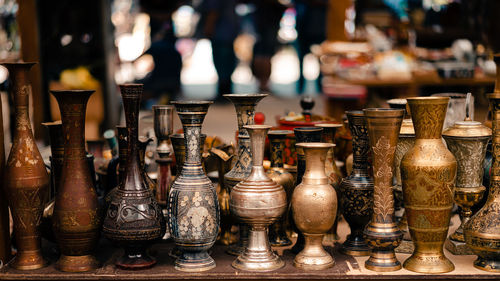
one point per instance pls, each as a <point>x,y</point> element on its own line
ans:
<point>482,231</point>
<point>258,202</point>
<point>193,207</point>
<point>357,189</point>
<point>133,219</point>
<point>428,172</point>
<point>76,219</point>
<point>277,231</point>
<point>314,205</point>
<point>26,178</point>
<point>245,113</point>
<point>303,135</point>
<point>467,140</point>
<point>382,233</point>
<point>226,236</point>
<point>332,172</point>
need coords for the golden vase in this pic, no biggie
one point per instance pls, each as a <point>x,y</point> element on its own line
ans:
<point>428,173</point>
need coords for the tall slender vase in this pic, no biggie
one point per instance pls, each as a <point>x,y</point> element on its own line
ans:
<point>303,135</point>
<point>277,231</point>
<point>134,219</point>
<point>193,207</point>
<point>245,113</point>
<point>57,154</point>
<point>428,172</point>
<point>226,236</point>
<point>76,220</point>
<point>314,205</point>
<point>5,248</point>
<point>357,189</point>
<point>481,232</point>
<point>332,172</point>
<point>26,179</point>
<point>382,233</point>
<point>258,202</point>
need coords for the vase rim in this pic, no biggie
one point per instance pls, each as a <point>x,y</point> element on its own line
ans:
<point>257,126</point>
<point>427,100</point>
<point>245,95</point>
<point>396,101</point>
<point>329,125</point>
<point>188,102</point>
<point>162,106</point>
<point>307,129</point>
<point>355,113</point>
<point>315,145</point>
<point>72,91</point>
<point>383,112</point>
<point>280,132</point>
<point>52,123</point>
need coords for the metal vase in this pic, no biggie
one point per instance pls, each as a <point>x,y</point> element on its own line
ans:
<point>245,113</point>
<point>163,126</point>
<point>193,207</point>
<point>5,246</point>
<point>76,219</point>
<point>258,202</point>
<point>382,233</point>
<point>482,230</point>
<point>356,190</point>
<point>277,231</point>
<point>314,205</point>
<point>428,172</point>
<point>134,219</point>
<point>303,135</point>
<point>26,180</point>
<point>179,146</point>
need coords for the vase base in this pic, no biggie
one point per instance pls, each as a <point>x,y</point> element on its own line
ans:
<point>28,260</point>
<point>236,249</point>
<point>457,248</point>
<point>258,261</point>
<point>355,248</point>
<point>175,253</point>
<point>77,263</point>
<point>194,262</point>
<point>487,265</point>
<point>406,247</point>
<point>383,262</point>
<point>314,262</point>
<point>142,261</point>
<point>331,238</point>
<point>428,263</point>
<point>280,242</point>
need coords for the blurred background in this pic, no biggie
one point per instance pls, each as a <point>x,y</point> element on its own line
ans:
<point>347,54</point>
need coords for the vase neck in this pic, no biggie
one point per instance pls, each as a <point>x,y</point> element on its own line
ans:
<point>315,165</point>
<point>494,189</point>
<point>245,114</point>
<point>277,148</point>
<point>360,146</point>
<point>428,118</point>
<point>192,142</point>
<point>21,91</point>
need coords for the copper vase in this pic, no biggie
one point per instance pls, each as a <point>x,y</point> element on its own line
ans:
<point>277,231</point>
<point>356,190</point>
<point>258,202</point>
<point>314,205</point>
<point>133,219</point>
<point>76,219</point>
<point>481,232</point>
<point>467,140</point>
<point>303,135</point>
<point>428,173</point>
<point>245,113</point>
<point>193,207</point>
<point>5,247</point>
<point>382,233</point>
<point>226,236</point>
<point>26,179</point>
<point>332,172</point>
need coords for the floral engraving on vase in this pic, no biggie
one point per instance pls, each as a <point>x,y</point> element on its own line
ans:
<point>383,154</point>
<point>470,173</point>
<point>197,219</point>
<point>428,123</point>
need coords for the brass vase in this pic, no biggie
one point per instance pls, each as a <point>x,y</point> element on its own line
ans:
<point>26,179</point>
<point>382,233</point>
<point>258,202</point>
<point>193,207</point>
<point>482,231</point>
<point>303,135</point>
<point>76,219</point>
<point>134,219</point>
<point>226,236</point>
<point>428,173</point>
<point>245,113</point>
<point>314,205</point>
<point>332,172</point>
<point>356,190</point>
<point>277,231</point>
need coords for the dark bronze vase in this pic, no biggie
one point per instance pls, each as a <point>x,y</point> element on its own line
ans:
<point>356,190</point>
<point>26,179</point>
<point>245,113</point>
<point>277,231</point>
<point>76,219</point>
<point>134,219</point>
<point>382,233</point>
<point>5,247</point>
<point>193,206</point>
<point>303,135</point>
<point>481,232</point>
<point>428,172</point>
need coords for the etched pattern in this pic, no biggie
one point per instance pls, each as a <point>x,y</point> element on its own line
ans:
<point>428,119</point>
<point>470,157</point>
<point>404,144</point>
<point>197,215</point>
